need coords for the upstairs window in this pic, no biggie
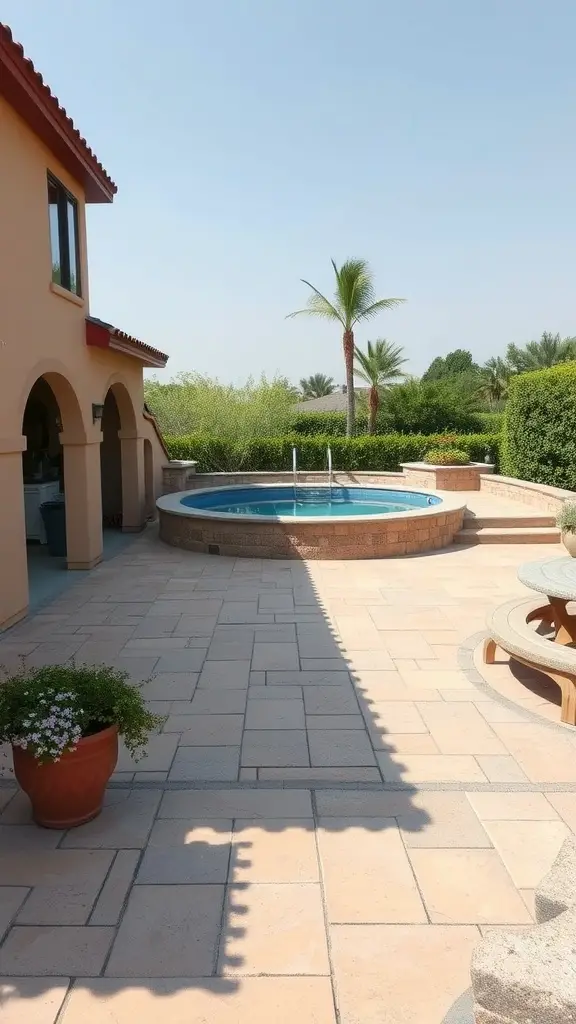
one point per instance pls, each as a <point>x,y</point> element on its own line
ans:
<point>63,211</point>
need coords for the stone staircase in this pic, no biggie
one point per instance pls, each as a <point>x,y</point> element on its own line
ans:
<point>531,528</point>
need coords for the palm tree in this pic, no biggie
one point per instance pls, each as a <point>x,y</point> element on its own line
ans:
<point>353,301</point>
<point>317,386</point>
<point>378,366</point>
<point>539,355</point>
<point>494,378</point>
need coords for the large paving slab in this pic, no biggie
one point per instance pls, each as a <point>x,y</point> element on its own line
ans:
<point>329,777</point>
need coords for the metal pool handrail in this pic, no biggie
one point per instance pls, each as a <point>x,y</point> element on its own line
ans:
<point>329,451</point>
<point>294,471</point>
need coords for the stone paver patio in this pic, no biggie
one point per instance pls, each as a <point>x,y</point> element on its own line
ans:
<point>333,812</point>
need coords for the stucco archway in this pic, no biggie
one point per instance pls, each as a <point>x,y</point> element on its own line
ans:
<point>122,461</point>
<point>59,460</point>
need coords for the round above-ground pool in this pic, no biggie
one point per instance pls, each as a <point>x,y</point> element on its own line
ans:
<point>281,521</point>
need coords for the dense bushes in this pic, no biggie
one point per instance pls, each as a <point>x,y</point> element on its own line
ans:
<point>490,422</point>
<point>539,437</point>
<point>429,407</point>
<point>330,424</point>
<point>421,407</point>
<point>357,453</point>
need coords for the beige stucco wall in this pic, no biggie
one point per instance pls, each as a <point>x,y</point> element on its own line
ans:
<point>42,333</point>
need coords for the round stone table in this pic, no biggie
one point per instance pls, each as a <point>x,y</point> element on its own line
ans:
<point>556,578</point>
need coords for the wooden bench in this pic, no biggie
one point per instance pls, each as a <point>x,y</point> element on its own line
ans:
<point>509,628</point>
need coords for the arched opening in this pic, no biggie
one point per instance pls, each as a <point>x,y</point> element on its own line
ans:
<point>111,464</point>
<point>121,463</point>
<point>150,507</point>
<point>43,482</point>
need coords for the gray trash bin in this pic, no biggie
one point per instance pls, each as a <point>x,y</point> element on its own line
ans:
<point>54,518</point>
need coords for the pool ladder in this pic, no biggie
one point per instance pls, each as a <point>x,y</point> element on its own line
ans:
<point>310,494</point>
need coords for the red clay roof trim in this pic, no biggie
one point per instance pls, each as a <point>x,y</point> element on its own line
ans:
<point>26,91</point>
<point>104,335</point>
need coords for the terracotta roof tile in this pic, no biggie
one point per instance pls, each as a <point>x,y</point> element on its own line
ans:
<point>15,51</point>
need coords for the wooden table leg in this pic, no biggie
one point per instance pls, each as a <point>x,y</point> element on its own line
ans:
<point>565,624</point>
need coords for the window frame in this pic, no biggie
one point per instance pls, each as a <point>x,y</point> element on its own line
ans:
<point>64,196</point>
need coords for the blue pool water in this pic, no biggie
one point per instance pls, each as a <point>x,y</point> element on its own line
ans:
<point>275,502</point>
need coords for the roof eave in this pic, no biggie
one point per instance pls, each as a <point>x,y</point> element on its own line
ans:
<point>23,88</point>
<point>148,357</point>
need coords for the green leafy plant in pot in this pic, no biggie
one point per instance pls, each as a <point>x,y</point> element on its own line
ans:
<point>447,457</point>
<point>566,523</point>
<point>447,453</point>
<point>63,722</point>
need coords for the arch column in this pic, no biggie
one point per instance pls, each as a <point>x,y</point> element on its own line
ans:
<point>83,501</point>
<point>14,589</point>
<point>133,488</point>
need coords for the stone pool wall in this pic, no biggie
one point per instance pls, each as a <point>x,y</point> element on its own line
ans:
<point>360,538</point>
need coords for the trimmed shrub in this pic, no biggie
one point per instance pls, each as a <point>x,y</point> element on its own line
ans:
<point>539,436</point>
<point>330,424</point>
<point>447,457</point>
<point>491,422</point>
<point>274,454</point>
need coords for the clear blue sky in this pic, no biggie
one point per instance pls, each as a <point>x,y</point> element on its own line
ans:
<point>252,140</point>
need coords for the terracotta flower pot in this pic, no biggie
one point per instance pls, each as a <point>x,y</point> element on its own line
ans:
<point>569,542</point>
<point>70,791</point>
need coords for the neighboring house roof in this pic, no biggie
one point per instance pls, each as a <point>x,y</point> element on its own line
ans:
<point>102,335</point>
<point>24,89</point>
<point>337,402</point>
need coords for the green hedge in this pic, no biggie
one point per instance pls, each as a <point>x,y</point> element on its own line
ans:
<point>274,454</point>
<point>491,422</point>
<point>330,424</point>
<point>333,424</point>
<point>539,436</point>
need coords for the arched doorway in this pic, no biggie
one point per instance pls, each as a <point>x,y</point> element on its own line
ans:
<point>43,473</point>
<point>111,464</point>
<point>62,534</point>
<point>122,463</point>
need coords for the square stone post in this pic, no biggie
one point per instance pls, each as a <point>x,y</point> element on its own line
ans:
<point>83,489</point>
<point>133,487</point>
<point>14,575</point>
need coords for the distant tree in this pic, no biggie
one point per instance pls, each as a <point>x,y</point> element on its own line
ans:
<point>317,386</point>
<point>456,362</point>
<point>430,407</point>
<point>354,300</point>
<point>494,377</point>
<point>539,355</point>
<point>378,367</point>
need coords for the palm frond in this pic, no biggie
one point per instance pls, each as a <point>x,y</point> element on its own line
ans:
<point>354,288</point>
<point>363,366</point>
<point>369,312</point>
<point>318,305</point>
<point>380,364</point>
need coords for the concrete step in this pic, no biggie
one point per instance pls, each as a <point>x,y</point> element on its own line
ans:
<point>472,522</point>
<point>510,535</point>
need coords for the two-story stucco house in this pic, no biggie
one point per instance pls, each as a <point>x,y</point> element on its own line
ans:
<point>72,413</point>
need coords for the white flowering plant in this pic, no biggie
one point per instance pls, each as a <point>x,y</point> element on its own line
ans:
<point>48,710</point>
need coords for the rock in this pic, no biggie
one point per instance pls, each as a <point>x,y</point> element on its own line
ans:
<point>557,891</point>
<point>482,1016</point>
<point>527,978</point>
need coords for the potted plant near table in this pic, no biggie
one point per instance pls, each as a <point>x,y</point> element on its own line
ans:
<point>63,722</point>
<point>566,523</point>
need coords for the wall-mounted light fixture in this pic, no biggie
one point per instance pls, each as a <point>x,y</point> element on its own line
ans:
<point>97,412</point>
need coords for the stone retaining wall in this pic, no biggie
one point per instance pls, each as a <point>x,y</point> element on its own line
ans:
<point>362,538</point>
<point>540,496</point>
<point>445,478</point>
<point>178,479</point>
